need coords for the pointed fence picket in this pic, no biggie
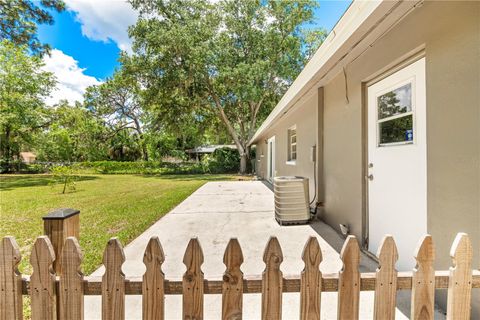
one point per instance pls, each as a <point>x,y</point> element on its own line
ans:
<point>232,287</point>
<point>460,281</point>
<point>349,280</point>
<point>423,281</point>
<point>113,282</point>
<point>42,281</point>
<point>10,280</point>
<point>386,281</point>
<point>311,281</point>
<point>153,291</point>
<point>72,286</point>
<point>272,281</point>
<point>71,282</point>
<point>193,288</point>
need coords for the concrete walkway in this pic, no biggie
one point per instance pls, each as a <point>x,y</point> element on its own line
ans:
<point>215,213</point>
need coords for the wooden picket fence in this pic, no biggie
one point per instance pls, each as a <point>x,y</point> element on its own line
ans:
<point>62,295</point>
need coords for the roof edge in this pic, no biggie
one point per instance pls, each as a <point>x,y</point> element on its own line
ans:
<point>358,20</point>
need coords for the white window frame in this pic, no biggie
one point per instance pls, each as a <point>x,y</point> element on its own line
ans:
<point>290,144</point>
<point>401,115</point>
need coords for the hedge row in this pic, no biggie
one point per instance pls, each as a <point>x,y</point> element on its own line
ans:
<point>140,167</point>
<point>224,160</point>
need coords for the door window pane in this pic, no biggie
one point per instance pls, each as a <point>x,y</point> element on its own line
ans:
<point>396,130</point>
<point>395,102</point>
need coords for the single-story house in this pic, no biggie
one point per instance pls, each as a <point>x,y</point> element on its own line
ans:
<point>198,152</point>
<point>389,106</point>
<point>28,157</point>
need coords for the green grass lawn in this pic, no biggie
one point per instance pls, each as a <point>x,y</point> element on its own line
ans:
<point>120,206</point>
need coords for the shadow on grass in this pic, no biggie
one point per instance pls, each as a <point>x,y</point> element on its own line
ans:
<point>197,177</point>
<point>21,181</point>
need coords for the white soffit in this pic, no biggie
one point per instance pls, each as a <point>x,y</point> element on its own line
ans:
<point>362,24</point>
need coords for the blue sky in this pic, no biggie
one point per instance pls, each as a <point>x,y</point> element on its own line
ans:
<point>87,39</point>
<point>98,57</point>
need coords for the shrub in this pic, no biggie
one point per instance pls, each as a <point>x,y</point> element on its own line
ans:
<point>119,167</point>
<point>18,166</point>
<point>10,165</point>
<point>36,168</point>
<point>222,160</point>
<point>139,167</point>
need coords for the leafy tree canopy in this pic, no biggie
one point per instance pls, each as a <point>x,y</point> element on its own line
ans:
<point>233,59</point>
<point>117,101</point>
<point>19,20</point>
<point>74,134</point>
<point>23,87</point>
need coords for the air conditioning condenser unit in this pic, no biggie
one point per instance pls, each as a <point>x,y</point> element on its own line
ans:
<point>291,200</point>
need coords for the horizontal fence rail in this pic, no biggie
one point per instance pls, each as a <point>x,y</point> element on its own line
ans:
<point>253,283</point>
<point>61,296</point>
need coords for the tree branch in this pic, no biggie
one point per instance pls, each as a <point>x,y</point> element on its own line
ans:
<point>224,118</point>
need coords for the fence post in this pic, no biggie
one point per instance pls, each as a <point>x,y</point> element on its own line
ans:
<point>58,226</point>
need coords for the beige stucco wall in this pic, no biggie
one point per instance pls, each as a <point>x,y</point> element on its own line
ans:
<point>450,35</point>
<point>453,131</point>
<point>305,119</point>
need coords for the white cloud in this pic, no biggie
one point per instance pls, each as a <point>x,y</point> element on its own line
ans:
<point>105,20</point>
<point>71,81</point>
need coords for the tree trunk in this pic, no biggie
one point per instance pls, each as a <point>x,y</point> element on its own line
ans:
<point>144,151</point>
<point>239,141</point>
<point>7,154</point>
<point>141,139</point>
<point>243,163</point>
<point>65,185</point>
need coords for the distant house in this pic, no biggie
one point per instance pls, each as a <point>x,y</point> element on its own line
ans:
<point>28,157</point>
<point>198,152</point>
<point>385,119</point>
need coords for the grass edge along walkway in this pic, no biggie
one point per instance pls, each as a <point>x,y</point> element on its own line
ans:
<point>122,206</point>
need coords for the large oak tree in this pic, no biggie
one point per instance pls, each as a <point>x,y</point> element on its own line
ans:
<point>232,58</point>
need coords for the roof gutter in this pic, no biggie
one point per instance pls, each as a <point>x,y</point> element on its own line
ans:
<point>354,33</point>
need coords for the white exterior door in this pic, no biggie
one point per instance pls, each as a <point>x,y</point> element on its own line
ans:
<point>397,167</point>
<point>271,159</point>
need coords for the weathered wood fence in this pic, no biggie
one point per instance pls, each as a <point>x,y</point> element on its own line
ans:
<point>62,295</point>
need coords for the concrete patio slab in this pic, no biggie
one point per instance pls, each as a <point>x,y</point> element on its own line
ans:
<point>215,213</point>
